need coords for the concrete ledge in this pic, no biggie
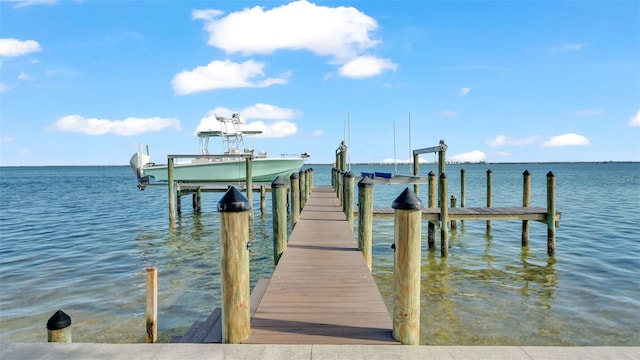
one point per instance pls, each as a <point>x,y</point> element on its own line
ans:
<point>59,351</point>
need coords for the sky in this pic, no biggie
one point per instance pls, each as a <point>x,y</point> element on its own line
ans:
<point>86,82</point>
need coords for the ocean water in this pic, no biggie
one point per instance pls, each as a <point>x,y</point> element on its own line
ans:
<point>80,238</point>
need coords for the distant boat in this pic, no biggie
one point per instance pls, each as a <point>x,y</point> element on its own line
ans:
<point>384,175</point>
<point>227,167</point>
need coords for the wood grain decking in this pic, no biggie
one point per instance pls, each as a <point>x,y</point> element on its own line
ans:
<point>321,292</point>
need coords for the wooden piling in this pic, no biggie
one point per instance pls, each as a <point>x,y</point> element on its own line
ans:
<point>341,188</point>
<point>295,198</point>
<point>442,159</point>
<point>301,186</point>
<point>309,179</point>
<point>431,232</point>
<point>171,186</point>
<point>407,265</point>
<point>199,199</point>
<point>263,199</point>
<point>194,201</point>
<point>489,190</point>
<point>249,184</point>
<point>463,191</point>
<point>349,179</point>
<point>444,217</point>
<point>551,214</point>
<point>526,202</point>
<point>365,219</point>
<point>179,202</point>
<point>151,318</point>
<point>59,328</point>
<point>453,223</point>
<point>416,171</point>
<point>279,209</point>
<point>234,266</point>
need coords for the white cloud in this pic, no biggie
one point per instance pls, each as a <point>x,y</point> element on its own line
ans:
<point>274,129</point>
<point>267,111</point>
<point>24,76</point>
<point>206,15</point>
<point>366,66</point>
<point>224,75</point>
<point>634,121</point>
<point>464,91</point>
<point>317,133</point>
<point>501,140</point>
<point>472,156</point>
<point>569,139</point>
<point>15,47</point>
<point>23,3</point>
<point>279,126</point>
<point>568,47</point>
<point>6,139</point>
<point>448,113</point>
<point>341,32</point>
<point>127,127</point>
<point>586,112</point>
<point>4,87</point>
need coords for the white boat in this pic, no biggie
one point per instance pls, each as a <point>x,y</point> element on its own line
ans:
<point>228,167</point>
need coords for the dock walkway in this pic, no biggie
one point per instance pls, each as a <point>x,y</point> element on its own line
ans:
<point>321,292</point>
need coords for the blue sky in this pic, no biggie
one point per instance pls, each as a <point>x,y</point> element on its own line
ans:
<point>84,82</point>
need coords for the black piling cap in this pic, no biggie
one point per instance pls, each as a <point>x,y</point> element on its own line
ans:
<point>407,200</point>
<point>233,201</point>
<point>462,170</point>
<point>489,171</point>
<point>526,173</point>
<point>278,183</point>
<point>550,174</point>
<point>431,173</point>
<point>365,182</point>
<point>349,174</point>
<point>58,321</point>
<point>294,176</point>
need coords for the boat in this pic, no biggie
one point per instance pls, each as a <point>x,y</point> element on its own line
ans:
<point>228,167</point>
<point>384,175</point>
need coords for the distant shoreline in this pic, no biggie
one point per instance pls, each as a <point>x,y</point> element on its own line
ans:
<point>380,163</point>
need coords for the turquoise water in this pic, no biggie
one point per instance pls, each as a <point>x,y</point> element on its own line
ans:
<point>79,239</point>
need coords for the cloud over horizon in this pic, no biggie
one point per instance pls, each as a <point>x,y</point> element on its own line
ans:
<point>224,75</point>
<point>569,139</point>
<point>127,127</point>
<point>296,26</point>
<point>14,47</point>
<point>277,122</point>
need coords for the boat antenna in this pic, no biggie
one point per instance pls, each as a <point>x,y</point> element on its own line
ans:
<point>349,139</point>
<point>395,158</point>
<point>410,151</point>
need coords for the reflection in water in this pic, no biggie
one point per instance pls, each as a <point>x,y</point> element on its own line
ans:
<point>482,294</point>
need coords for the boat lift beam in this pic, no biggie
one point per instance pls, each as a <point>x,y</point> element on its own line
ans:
<point>440,149</point>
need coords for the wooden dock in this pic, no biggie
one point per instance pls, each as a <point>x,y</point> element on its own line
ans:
<point>476,213</point>
<point>321,292</point>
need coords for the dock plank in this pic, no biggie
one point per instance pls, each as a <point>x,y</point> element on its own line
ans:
<point>321,292</point>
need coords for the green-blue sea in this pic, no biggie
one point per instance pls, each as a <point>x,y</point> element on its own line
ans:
<point>79,239</point>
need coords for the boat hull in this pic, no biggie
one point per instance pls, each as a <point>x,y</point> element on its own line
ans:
<point>263,170</point>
